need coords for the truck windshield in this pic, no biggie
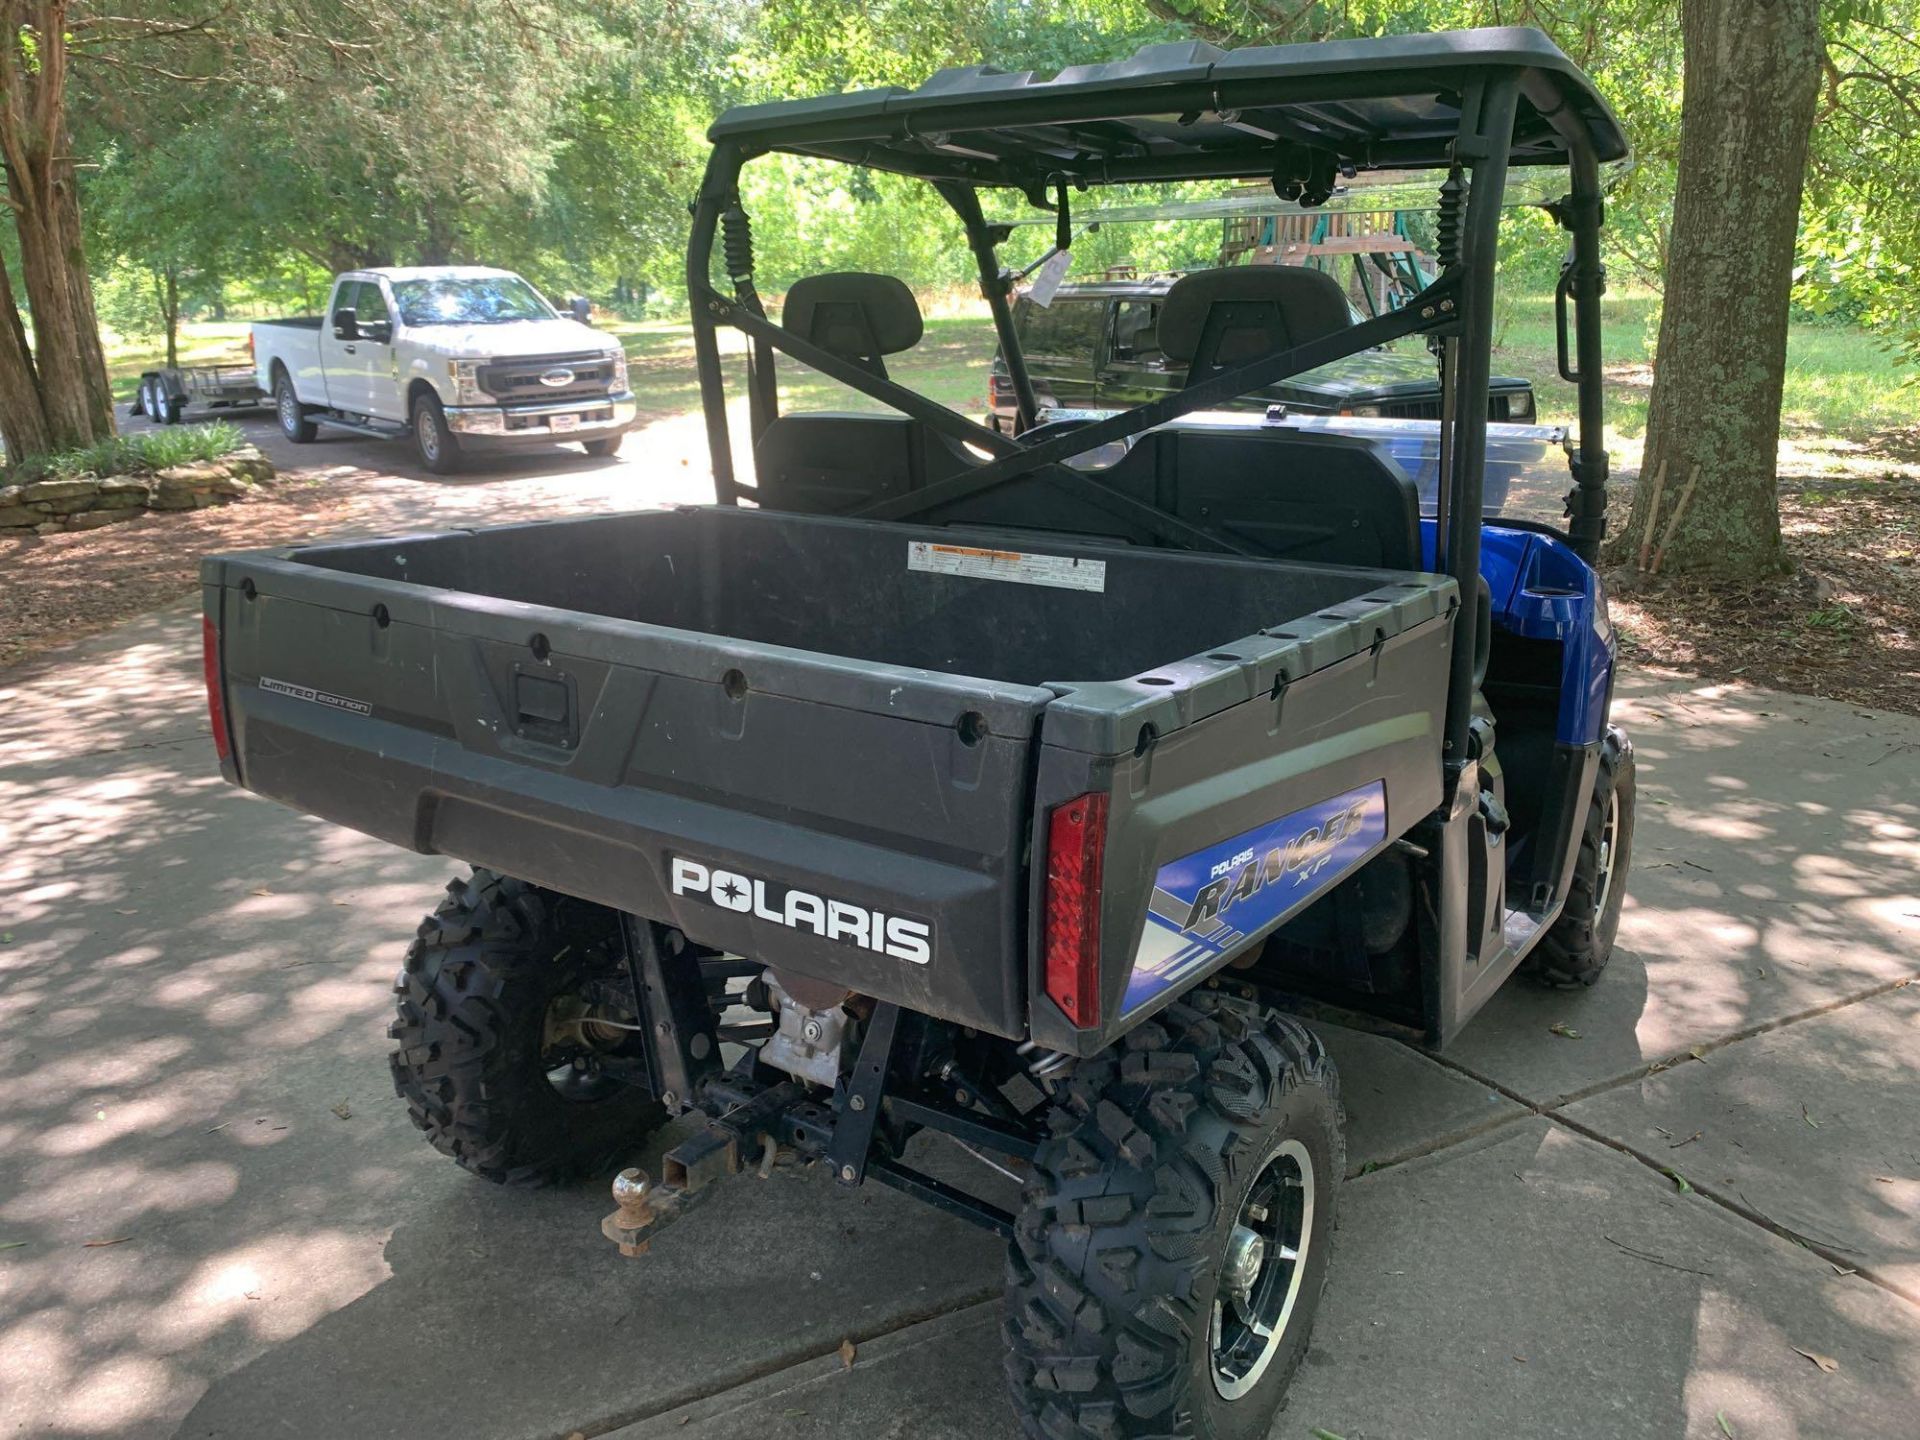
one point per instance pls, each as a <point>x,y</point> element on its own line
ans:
<point>482,300</point>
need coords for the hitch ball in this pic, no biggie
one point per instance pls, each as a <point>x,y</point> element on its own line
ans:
<point>633,1193</point>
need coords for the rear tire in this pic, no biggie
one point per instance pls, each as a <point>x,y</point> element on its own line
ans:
<point>294,423</point>
<point>1574,952</point>
<point>490,997</point>
<point>1209,1128</point>
<point>603,449</point>
<point>433,442</point>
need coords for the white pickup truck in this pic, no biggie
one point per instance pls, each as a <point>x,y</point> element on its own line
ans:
<point>460,357</point>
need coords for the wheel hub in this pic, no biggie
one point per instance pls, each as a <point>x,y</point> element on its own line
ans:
<point>1262,1270</point>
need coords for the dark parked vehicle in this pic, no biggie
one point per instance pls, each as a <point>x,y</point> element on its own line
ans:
<point>963,787</point>
<point>1097,347</point>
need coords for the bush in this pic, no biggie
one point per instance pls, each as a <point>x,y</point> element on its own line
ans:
<point>134,454</point>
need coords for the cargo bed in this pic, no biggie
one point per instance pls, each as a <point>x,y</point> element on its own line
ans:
<point>828,744</point>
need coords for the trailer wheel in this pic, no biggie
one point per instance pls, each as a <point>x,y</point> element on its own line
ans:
<point>433,442</point>
<point>498,1035</point>
<point>1168,1261</point>
<point>174,409</point>
<point>1578,947</point>
<point>294,423</point>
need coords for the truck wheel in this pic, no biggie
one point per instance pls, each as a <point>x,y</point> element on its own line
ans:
<point>433,442</point>
<point>1577,948</point>
<point>294,423</point>
<point>603,449</point>
<point>1168,1261</point>
<point>498,1045</point>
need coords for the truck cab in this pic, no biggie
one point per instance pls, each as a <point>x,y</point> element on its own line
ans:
<point>461,359</point>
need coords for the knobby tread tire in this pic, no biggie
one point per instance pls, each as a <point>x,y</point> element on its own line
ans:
<point>472,1000</point>
<point>1111,1268</point>
<point>1572,954</point>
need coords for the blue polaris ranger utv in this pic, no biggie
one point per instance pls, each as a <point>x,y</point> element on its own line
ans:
<point>1006,787</point>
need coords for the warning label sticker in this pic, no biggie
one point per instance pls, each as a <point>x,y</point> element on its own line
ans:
<point>1062,572</point>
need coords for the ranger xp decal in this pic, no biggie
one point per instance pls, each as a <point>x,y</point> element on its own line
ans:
<point>1205,904</point>
<point>900,936</point>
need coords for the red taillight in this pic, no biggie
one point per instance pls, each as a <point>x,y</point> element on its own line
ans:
<point>216,706</point>
<point>1076,852</point>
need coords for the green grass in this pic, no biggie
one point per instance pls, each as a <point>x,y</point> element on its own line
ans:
<point>140,454</point>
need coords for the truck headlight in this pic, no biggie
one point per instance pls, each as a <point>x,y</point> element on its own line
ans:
<point>1520,408</point>
<point>619,372</point>
<point>1361,412</point>
<point>465,375</point>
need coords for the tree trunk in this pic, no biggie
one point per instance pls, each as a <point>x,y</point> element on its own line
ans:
<point>1752,78</point>
<point>23,420</point>
<point>69,371</point>
<point>166,292</point>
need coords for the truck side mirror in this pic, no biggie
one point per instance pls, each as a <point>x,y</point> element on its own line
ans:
<point>582,309</point>
<point>345,325</point>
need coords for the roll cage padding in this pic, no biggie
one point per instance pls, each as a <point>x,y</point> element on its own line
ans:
<point>1214,319</point>
<point>855,313</point>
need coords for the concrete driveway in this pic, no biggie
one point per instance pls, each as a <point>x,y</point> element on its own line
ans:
<point>221,1224</point>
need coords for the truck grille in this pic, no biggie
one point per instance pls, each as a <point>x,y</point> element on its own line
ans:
<point>1497,409</point>
<point>519,379</point>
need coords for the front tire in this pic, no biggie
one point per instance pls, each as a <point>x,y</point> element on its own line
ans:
<point>497,1034</point>
<point>294,423</point>
<point>1168,1262</point>
<point>434,444</point>
<point>1574,952</point>
<point>605,448</point>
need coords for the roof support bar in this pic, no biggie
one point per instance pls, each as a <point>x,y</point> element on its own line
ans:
<point>1486,133</point>
<point>994,286</point>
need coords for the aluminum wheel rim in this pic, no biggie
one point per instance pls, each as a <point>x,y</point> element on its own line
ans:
<point>1262,1272</point>
<point>428,432</point>
<point>289,410</point>
<point>1609,837</point>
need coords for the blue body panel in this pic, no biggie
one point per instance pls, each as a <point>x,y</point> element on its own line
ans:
<point>1543,591</point>
<point>1214,900</point>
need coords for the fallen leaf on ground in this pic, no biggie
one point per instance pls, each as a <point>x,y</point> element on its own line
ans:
<point>1885,1180</point>
<point>343,1110</point>
<point>1842,1270</point>
<point>1679,1181</point>
<point>1825,1362</point>
<point>118,911</point>
<point>1319,1434</point>
<point>1725,1428</point>
<point>13,1244</point>
<point>1809,1118</point>
<point>221,1126</point>
<point>102,1244</point>
<point>1563,1030</point>
<point>847,1352</point>
<point>1695,1053</point>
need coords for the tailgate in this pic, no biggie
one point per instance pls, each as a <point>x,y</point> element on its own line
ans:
<point>773,802</point>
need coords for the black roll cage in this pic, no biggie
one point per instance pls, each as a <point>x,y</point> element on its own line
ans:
<point>1456,312</point>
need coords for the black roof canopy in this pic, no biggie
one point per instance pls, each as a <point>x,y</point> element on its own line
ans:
<point>1191,111</point>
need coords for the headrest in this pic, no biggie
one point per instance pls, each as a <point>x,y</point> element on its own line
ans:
<point>853,313</point>
<point>1276,307</point>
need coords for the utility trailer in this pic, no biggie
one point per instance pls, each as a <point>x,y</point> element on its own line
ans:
<point>1004,788</point>
<point>164,394</point>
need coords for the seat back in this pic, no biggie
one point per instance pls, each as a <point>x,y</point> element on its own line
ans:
<point>855,314</point>
<point>1214,320</point>
<point>832,463</point>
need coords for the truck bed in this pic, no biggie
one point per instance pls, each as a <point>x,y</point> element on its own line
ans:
<point>700,715</point>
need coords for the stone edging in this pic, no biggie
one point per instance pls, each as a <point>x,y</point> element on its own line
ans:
<point>48,507</point>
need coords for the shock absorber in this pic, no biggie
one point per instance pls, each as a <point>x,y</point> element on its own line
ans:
<point>1451,221</point>
<point>736,239</point>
